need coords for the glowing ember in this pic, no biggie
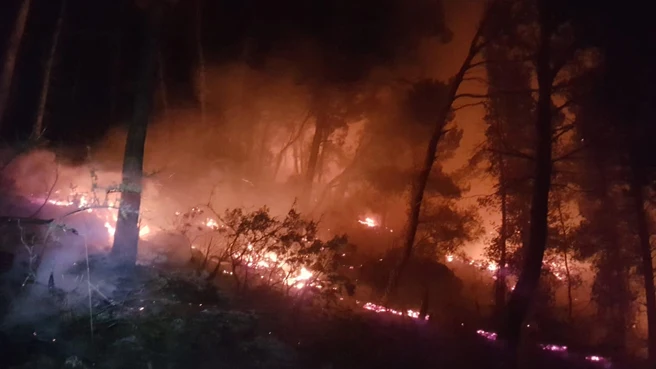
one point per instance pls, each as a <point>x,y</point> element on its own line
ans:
<point>488,335</point>
<point>381,309</point>
<point>110,229</point>
<point>144,231</point>
<point>554,348</point>
<point>369,222</point>
<point>598,359</point>
<point>211,223</point>
<point>449,258</point>
<point>492,267</point>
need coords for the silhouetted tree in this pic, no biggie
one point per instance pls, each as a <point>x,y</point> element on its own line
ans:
<point>507,155</point>
<point>621,135</point>
<point>550,34</point>
<point>126,237</point>
<point>11,56</point>
<point>38,128</point>
<point>442,97</point>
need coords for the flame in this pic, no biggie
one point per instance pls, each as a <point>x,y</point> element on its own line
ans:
<point>492,267</point>
<point>369,222</point>
<point>145,230</point>
<point>489,335</point>
<point>211,223</point>
<point>555,348</point>
<point>381,309</point>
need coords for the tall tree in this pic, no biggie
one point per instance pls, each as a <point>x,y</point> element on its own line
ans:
<point>38,128</point>
<point>506,153</point>
<point>553,44</point>
<point>443,113</point>
<point>11,56</point>
<point>126,237</point>
<point>620,132</point>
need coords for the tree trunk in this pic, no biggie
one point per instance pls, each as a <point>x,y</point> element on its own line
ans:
<point>126,237</point>
<point>647,260</point>
<point>421,179</point>
<point>528,281</point>
<point>568,275</point>
<point>423,311</point>
<point>500,286</point>
<point>11,56</point>
<point>620,288</point>
<point>38,129</point>
<point>312,161</point>
<point>202,87</point>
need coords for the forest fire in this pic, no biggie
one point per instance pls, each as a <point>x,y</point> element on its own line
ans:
<point>324,171</point>
<point>83,203</point>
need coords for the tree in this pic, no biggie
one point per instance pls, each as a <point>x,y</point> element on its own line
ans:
<point>620,133</point>
<point>557,63</point>
<point>126,237</point>
<point>11,56</point>
<point>444,95</point>
<point>506,156</point>
<point>38,129</point>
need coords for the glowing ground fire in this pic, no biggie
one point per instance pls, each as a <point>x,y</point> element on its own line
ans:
<point>303,277</point>
<point>381,309</point>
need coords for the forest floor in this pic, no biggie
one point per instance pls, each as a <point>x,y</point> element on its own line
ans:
<point>163,318</point>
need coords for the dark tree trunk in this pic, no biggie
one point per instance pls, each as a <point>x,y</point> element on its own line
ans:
<point>646,258</point>
<point>421,179</point>
<point>423,311</point>
<point>313,159</point>
<point>620,288</point>
<point>529,278</point>
<point>37,130</point>
<point>570,302</point>
<point>11,56</point>
<point>126,237</point>
<point>500,286</point>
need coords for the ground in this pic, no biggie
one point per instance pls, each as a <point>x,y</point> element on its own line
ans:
<point>172,318</point>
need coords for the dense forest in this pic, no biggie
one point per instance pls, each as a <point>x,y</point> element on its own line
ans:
<point>327,184</point>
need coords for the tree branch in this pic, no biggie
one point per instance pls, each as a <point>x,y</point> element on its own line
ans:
<point>24,220</point>
<point>482,103</point>
<point>54,183</point>
<point>476,79</point>
<point>564,105</point>
<point>561,131</point>
<point>492,93</point>
<point>569,155</point>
